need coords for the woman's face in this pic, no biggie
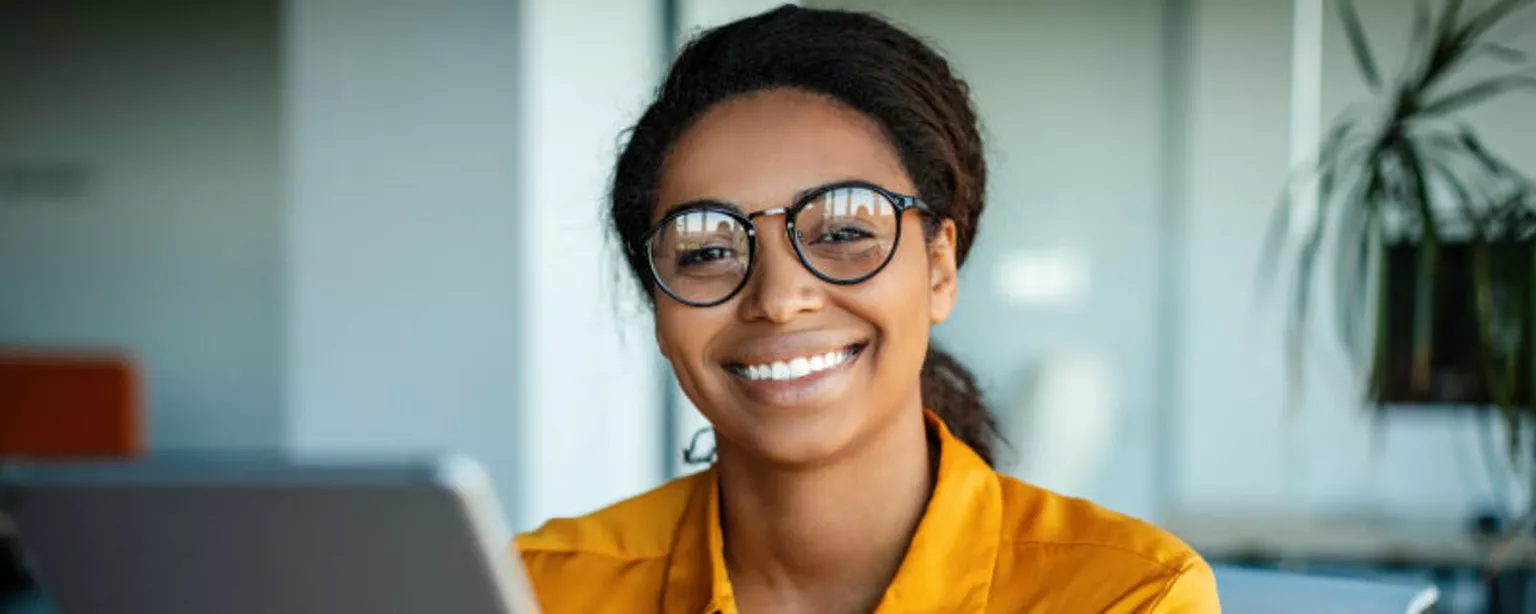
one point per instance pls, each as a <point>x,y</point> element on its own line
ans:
<point>762,151</point>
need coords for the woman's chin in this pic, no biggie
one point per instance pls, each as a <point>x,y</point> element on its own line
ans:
<point>802,441</point>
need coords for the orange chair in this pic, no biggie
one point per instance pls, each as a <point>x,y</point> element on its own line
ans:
<point>69,406</point>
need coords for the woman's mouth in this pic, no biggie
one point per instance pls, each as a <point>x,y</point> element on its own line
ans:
<point>798,380</point>
<point>797,367</point>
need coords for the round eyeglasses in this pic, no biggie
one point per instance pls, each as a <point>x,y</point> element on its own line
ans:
<point>844,233</point>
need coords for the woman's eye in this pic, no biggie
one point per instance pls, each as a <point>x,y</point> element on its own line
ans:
<point>844,234</point>
<point>704,255</point>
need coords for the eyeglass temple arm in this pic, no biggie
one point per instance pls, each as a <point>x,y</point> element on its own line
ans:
<point>904,202</point>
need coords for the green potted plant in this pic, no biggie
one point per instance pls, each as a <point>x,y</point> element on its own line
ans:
<point>1425,234</point>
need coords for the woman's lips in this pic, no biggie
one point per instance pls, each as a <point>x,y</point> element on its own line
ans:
<point>797,380</point>
<point>793,367</point>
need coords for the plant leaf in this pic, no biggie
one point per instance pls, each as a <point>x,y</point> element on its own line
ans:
<point>1492,163</point>
<point>1428,263</point>
<point>1464,200</point>
<point>1530,330</point>
<point>1448,20</point>
<point>1379,356</point>
<point>1503,52</point>
<point>1420,45</point>
<point>1330,150</point>
<point>1302,306</point>
<point>1459,43</point>
<point>1347,226</point>
<point>1330,165</point>
<point>1496,379</point>
<point>1477,93</point>
<point>1356,225</point>
<point>1516,432</point>
<point>1445,51</point>
<point>1465,143</point>
<point>1327,182</point>
<point>1424,310</point>
<point>1274,241</point>
<point>1481,23</point>
<point>1279,227</point>
<point>1358,44</point>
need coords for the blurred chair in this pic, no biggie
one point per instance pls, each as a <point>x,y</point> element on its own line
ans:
<point>1256,591</point>
<point>58,406</point>
<point>68,406</point>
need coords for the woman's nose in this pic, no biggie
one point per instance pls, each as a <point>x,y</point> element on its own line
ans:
<point>780,287</point>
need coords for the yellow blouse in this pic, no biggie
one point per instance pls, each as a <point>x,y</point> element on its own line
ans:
<point>987,543</point>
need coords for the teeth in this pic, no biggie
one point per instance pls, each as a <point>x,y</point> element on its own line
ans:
<point>795,368</point>
<point>799,367</point>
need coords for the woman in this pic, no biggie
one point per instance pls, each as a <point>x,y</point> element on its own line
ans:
<point>797,202</point>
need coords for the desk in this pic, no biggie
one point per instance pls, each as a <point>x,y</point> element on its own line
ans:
<point>1379,541</point>
<point>1442,548</point>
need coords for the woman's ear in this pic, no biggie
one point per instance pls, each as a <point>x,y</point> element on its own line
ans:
<point>943,273</point>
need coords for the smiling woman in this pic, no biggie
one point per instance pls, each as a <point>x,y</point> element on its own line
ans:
<point>797,203</point>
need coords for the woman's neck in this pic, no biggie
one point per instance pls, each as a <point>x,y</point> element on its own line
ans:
<point>831,537</point>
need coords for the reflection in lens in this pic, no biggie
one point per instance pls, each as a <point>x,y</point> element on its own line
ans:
<point>701,256</point>
<point>847,233</point>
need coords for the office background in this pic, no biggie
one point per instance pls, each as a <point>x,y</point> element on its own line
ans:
<point>347,225</point>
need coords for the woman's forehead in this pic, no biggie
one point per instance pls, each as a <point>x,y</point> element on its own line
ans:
<point>762,150</point>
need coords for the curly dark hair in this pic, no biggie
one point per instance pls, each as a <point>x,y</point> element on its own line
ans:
<point>867,64</point>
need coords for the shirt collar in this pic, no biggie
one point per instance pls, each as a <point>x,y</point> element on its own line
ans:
<point>948,566</point>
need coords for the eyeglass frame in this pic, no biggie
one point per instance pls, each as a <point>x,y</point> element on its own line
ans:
<point>900,202</point>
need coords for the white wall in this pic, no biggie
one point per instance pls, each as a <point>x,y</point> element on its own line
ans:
<point>1239,150</point>
<point>404,205</point>
<point>172,251</point>
<point>592,425</point>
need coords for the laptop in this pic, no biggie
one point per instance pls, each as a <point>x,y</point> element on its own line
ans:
<point>1256,591</point>
<point>249,536</point>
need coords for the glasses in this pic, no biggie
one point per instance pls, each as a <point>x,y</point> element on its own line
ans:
<point>844,233</point>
